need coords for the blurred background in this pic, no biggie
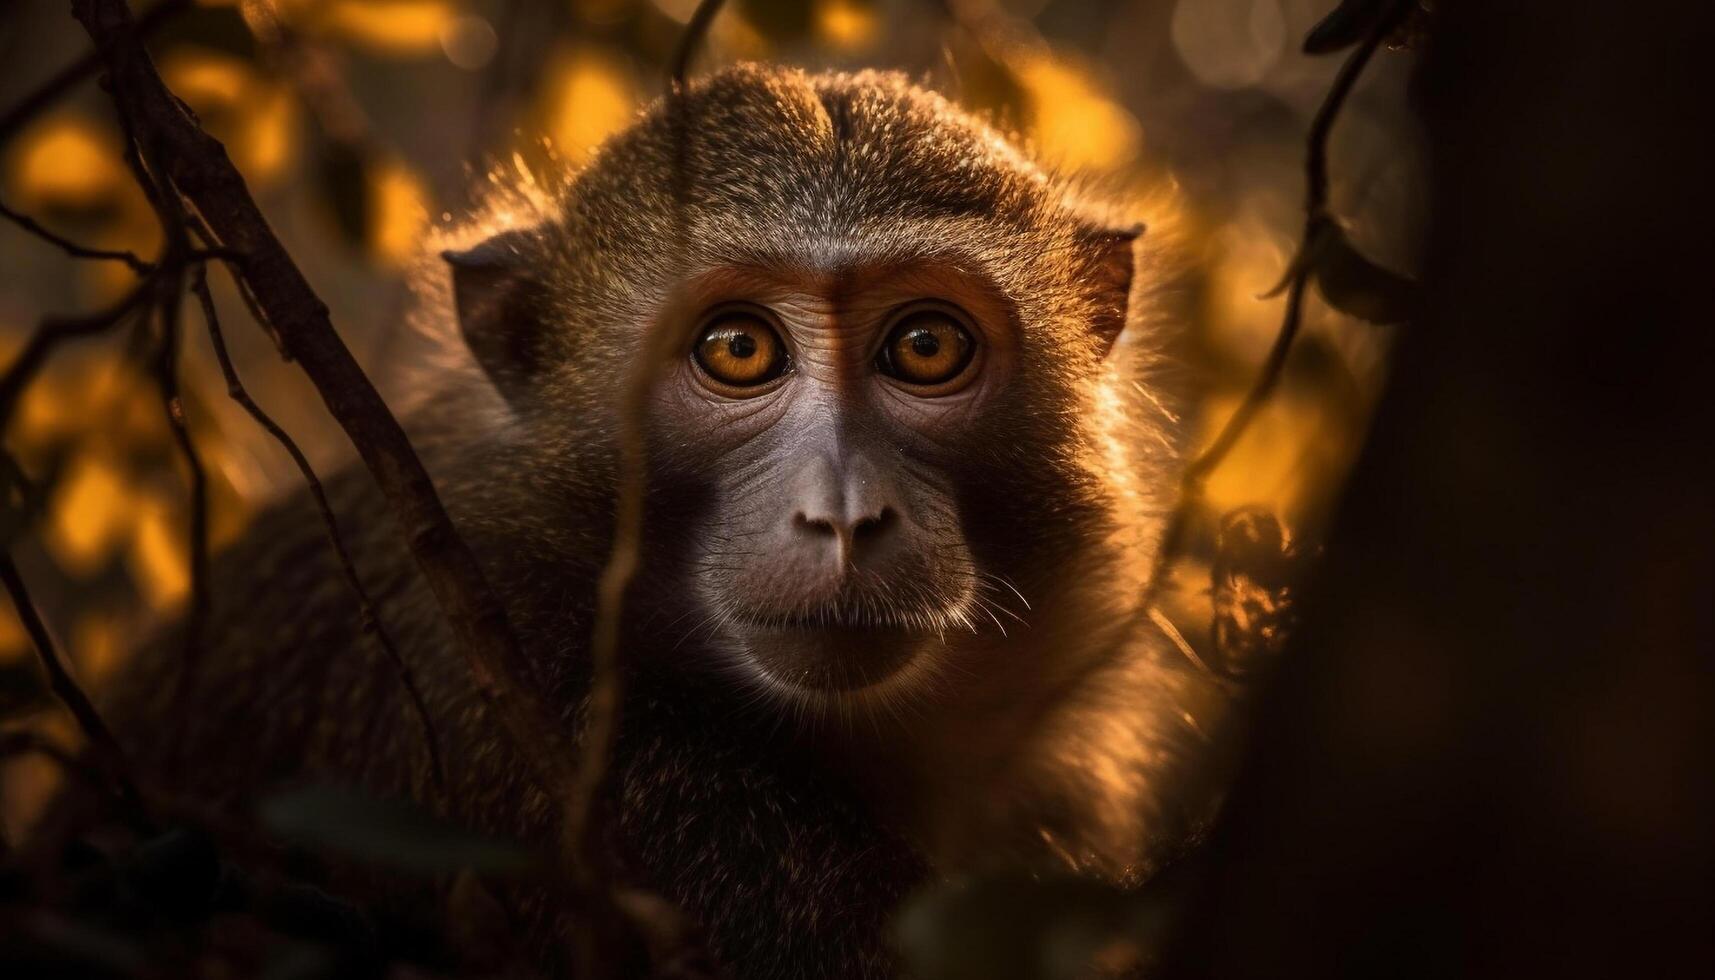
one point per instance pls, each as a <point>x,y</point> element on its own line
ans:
<point>360,124</point>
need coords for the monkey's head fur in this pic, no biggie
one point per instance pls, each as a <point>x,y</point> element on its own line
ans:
<point>905,432</point>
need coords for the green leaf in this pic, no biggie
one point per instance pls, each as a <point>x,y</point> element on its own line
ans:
<point>394,833</point>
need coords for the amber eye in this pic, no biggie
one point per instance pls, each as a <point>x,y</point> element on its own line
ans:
<point>741,350</point>
<point>926,347</point>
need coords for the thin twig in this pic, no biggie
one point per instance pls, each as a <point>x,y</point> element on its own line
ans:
<point>55,330</point>
<point>70,694</point>
<point>696,30</point>
<point>165,371</point>
<point>371,622</point>
<point>70,247</point>
<point>606,695</point>
<point>1301,269</point>
<point>143,157</point>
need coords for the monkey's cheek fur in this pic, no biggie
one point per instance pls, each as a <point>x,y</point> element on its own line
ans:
<point>832,659</point>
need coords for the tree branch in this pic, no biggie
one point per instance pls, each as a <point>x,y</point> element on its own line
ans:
<point>1299,271</point>
<point>370,621</point>
<point>55,330</point>
<point>70,247</point>
<point>101,738</point>
<point>197,166</point>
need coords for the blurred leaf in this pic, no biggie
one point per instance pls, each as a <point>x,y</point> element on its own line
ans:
<point>1354,285</point>
<point>1350,23</point>
<point>1074,120</point>
<point>344,186</point>
<point>160,553</point>
<point>1349,282</point>
<point>591,94</point>
<point>390,28</point>
<point>23,687</point>
<point>779,20</point>
<point>1016,928</point>
<point>253,114</point>
<point>67,165</point>
<point>89,516</point>
<point>394,833</point>
<point>218,27</point>
<point>399,213</point>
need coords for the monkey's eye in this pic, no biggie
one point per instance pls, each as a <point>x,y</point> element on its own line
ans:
<point>740,350</point>
<point>926,347</point>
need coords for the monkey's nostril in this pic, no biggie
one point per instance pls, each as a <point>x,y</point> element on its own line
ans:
<point>819,526</point>
<point>870,527</point>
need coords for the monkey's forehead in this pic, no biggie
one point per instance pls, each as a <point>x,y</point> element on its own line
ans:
<point>828,152</point>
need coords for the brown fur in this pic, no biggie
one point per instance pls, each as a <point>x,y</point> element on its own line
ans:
<point>789,830</point>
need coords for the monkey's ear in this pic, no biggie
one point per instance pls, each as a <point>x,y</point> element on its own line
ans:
<point>1115,252</point>
<point>498,304</point>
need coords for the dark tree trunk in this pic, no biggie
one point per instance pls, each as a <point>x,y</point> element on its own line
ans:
<point>1489,751</point>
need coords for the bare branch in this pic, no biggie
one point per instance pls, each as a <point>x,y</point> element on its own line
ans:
<point>197,165</point>
<point>1298,278</point>
<point>70,247</point>
<point>55,330</point>
<point>695,31</point>
<point>606,696</point>
<point>370,621</point>
<point>164,369</point>
<point>70,694</point>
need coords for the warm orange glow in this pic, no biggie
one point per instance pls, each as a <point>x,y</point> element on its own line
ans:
<point>265,148</point>
<point>255,117</point>
<point>399,213</point>
<point>65,160</point>
<point>202,77</point>
<point>1075,123</point>
<point>592,97</point>
<point>395,28</point>
<point>158,556</point>
<point>89,515</point>
<point>846,23</point>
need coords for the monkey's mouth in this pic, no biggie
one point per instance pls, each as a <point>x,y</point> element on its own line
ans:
<point>831,653</point>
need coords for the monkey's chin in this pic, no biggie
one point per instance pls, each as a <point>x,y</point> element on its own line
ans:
<point>832,660</point>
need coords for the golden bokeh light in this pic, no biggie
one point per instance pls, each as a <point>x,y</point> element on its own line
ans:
<point>66,161</point>
<point>390,28</point>
<point>1229,43</point>
<point>255,116</point>
<point>846,24</point>
<point>399,213</point>
<point>1073,120</point>
<point>90,515</point>
<point>592,95</point>
<point>158,556</point>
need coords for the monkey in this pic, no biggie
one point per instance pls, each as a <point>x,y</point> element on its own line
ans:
<point>907,466</point>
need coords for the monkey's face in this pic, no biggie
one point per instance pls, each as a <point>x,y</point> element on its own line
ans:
<point>827,415</point>
<point>874,447</point>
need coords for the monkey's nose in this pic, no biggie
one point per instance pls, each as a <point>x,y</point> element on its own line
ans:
<point>853,534</point>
